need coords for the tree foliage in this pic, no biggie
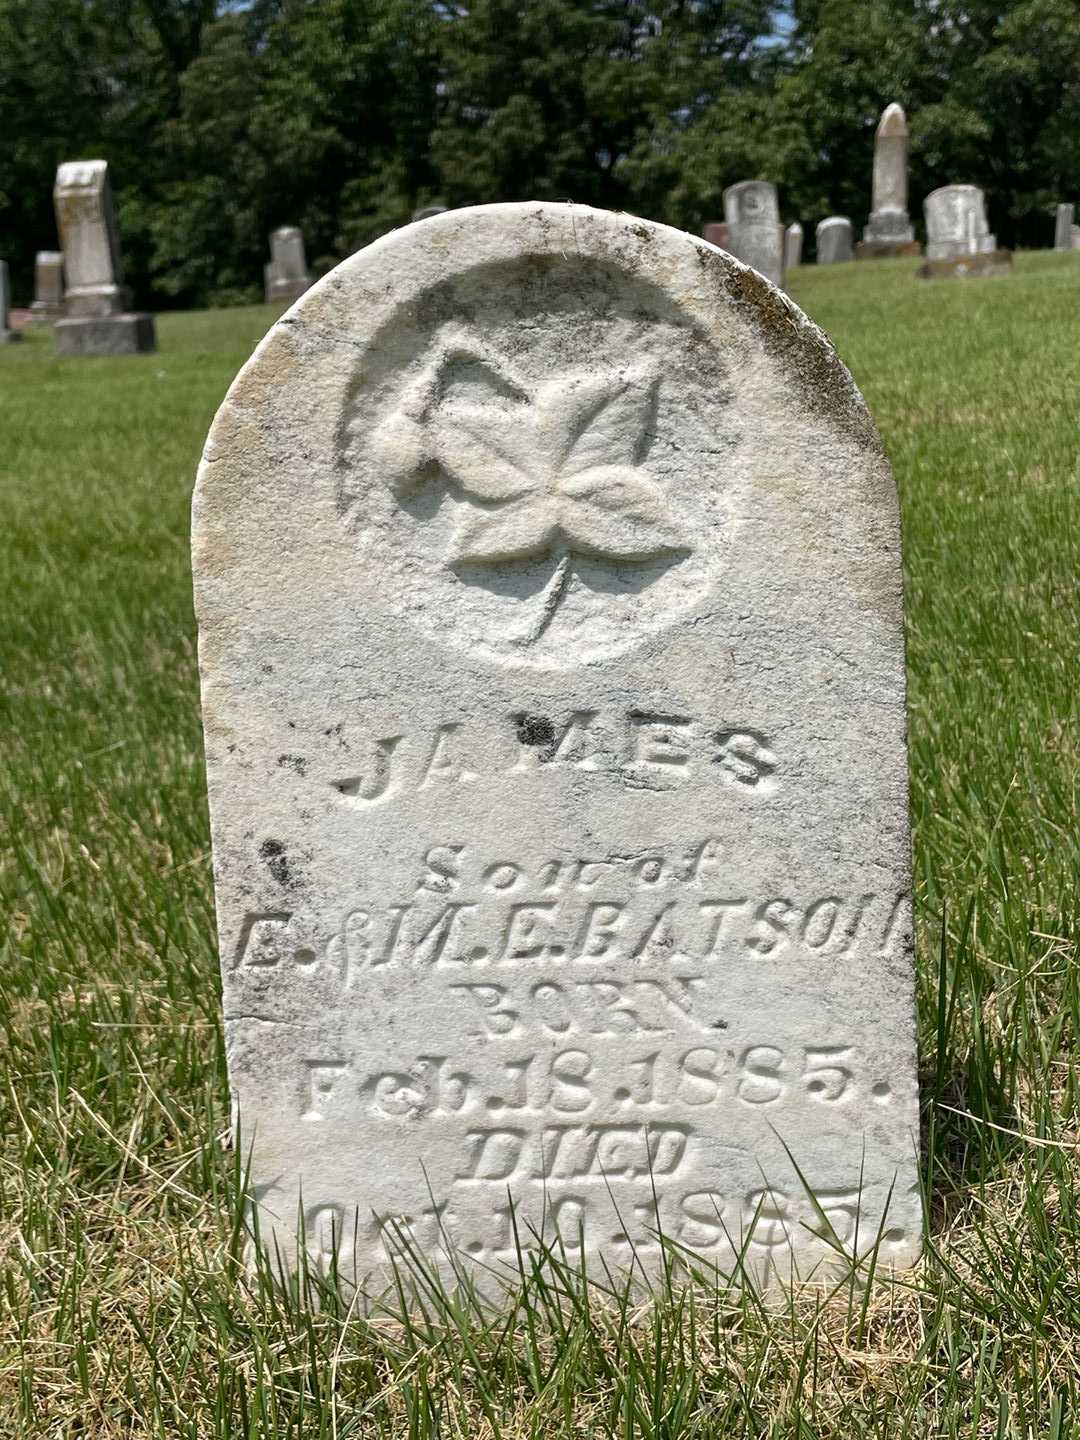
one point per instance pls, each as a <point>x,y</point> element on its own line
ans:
<point>343,116</point>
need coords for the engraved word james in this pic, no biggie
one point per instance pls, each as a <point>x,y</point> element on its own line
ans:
<point>645,749</point>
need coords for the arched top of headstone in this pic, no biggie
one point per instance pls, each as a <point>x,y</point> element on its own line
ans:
<point>972,194</point>
<point>893,122</point>
<point>384,370</point>
<point>81,175</point>
<point>833,222</point>
<point>751,199</point>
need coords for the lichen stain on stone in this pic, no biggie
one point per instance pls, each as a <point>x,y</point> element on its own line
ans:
<point>277,861</point>
<point>537,732</point>
<point>806,353</point>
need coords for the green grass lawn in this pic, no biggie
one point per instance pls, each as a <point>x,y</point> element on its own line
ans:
<point>124,1310</point>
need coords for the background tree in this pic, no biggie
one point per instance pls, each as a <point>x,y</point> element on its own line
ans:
<point>343,116</point>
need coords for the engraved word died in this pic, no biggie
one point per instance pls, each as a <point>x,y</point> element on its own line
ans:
<point>547,572</point>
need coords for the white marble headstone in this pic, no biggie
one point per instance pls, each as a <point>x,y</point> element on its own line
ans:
<point>956,223</point>
<point>286,276</point>
<point>835,240</point>
<point>756,237</point>
<point>793,244</point>
<point>48,282</point>
<point>287,253</point>
<point>86,222</point>
<point>889,222</point>
<point>1063,226</point>
<point>547,570</point>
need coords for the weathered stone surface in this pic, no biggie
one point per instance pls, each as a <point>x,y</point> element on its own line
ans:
<point>1063,227</point>
<point>956,223</point>
<point>793,243</point>
<point>834,240</point>
<point>6,332</point>
<point>86,223</point>
<point>717,233</point>
<point>889,222</point>
<point>959,267</point>
<point>48,302</point>
<point>130,334</point>
<point>755,235</point>
<point>286,277</point>
<point>548,580</point>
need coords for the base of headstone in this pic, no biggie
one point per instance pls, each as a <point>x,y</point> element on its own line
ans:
<point>42,313</point>
<point>886,249</point>
<point>132,334</point>
<point>288,290</point>
<point>994,262</point>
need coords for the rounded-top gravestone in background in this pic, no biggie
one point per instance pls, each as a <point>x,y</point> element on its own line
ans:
<point>756,237</point>
<point>548,579</point>
<point>835,240</point>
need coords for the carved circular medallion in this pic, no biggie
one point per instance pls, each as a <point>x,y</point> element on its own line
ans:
<point>535,456</point>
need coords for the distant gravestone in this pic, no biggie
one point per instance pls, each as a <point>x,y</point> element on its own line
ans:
<point>48,302</point>
<point>752,214</point>
<point>958,241</point>
<point>428,212</point>
<point>717,233</point>
<point>834,240</point>
<point>889,230</point>
<point>1063,227</point>
<point>286,277</point>
<point>97,320</point>
<point>956,223</point>
<point>557,774</point>
<point>6,332</point>
<point>793,243</point>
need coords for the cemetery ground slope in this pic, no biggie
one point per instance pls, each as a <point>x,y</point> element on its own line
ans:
<point>124,1310</point>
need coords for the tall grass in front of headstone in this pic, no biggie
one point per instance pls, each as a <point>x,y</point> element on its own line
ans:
<point>126,1308</point>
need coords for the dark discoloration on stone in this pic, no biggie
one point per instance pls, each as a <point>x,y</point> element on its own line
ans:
<point>538,732</point>
<point>273,852</point>
<point>817,374</point>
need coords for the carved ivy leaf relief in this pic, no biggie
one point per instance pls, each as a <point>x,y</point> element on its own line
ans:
<point>557,472</point>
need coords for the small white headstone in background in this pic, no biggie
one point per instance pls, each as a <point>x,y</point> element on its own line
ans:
<point>755,235</point>
<point>548,578</point>
<point>1063,227</point>
<point>48,303</point>
<point>835,242</point>
<point>286,276</point>
<point>793,243</point>
<point>956,223</point>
